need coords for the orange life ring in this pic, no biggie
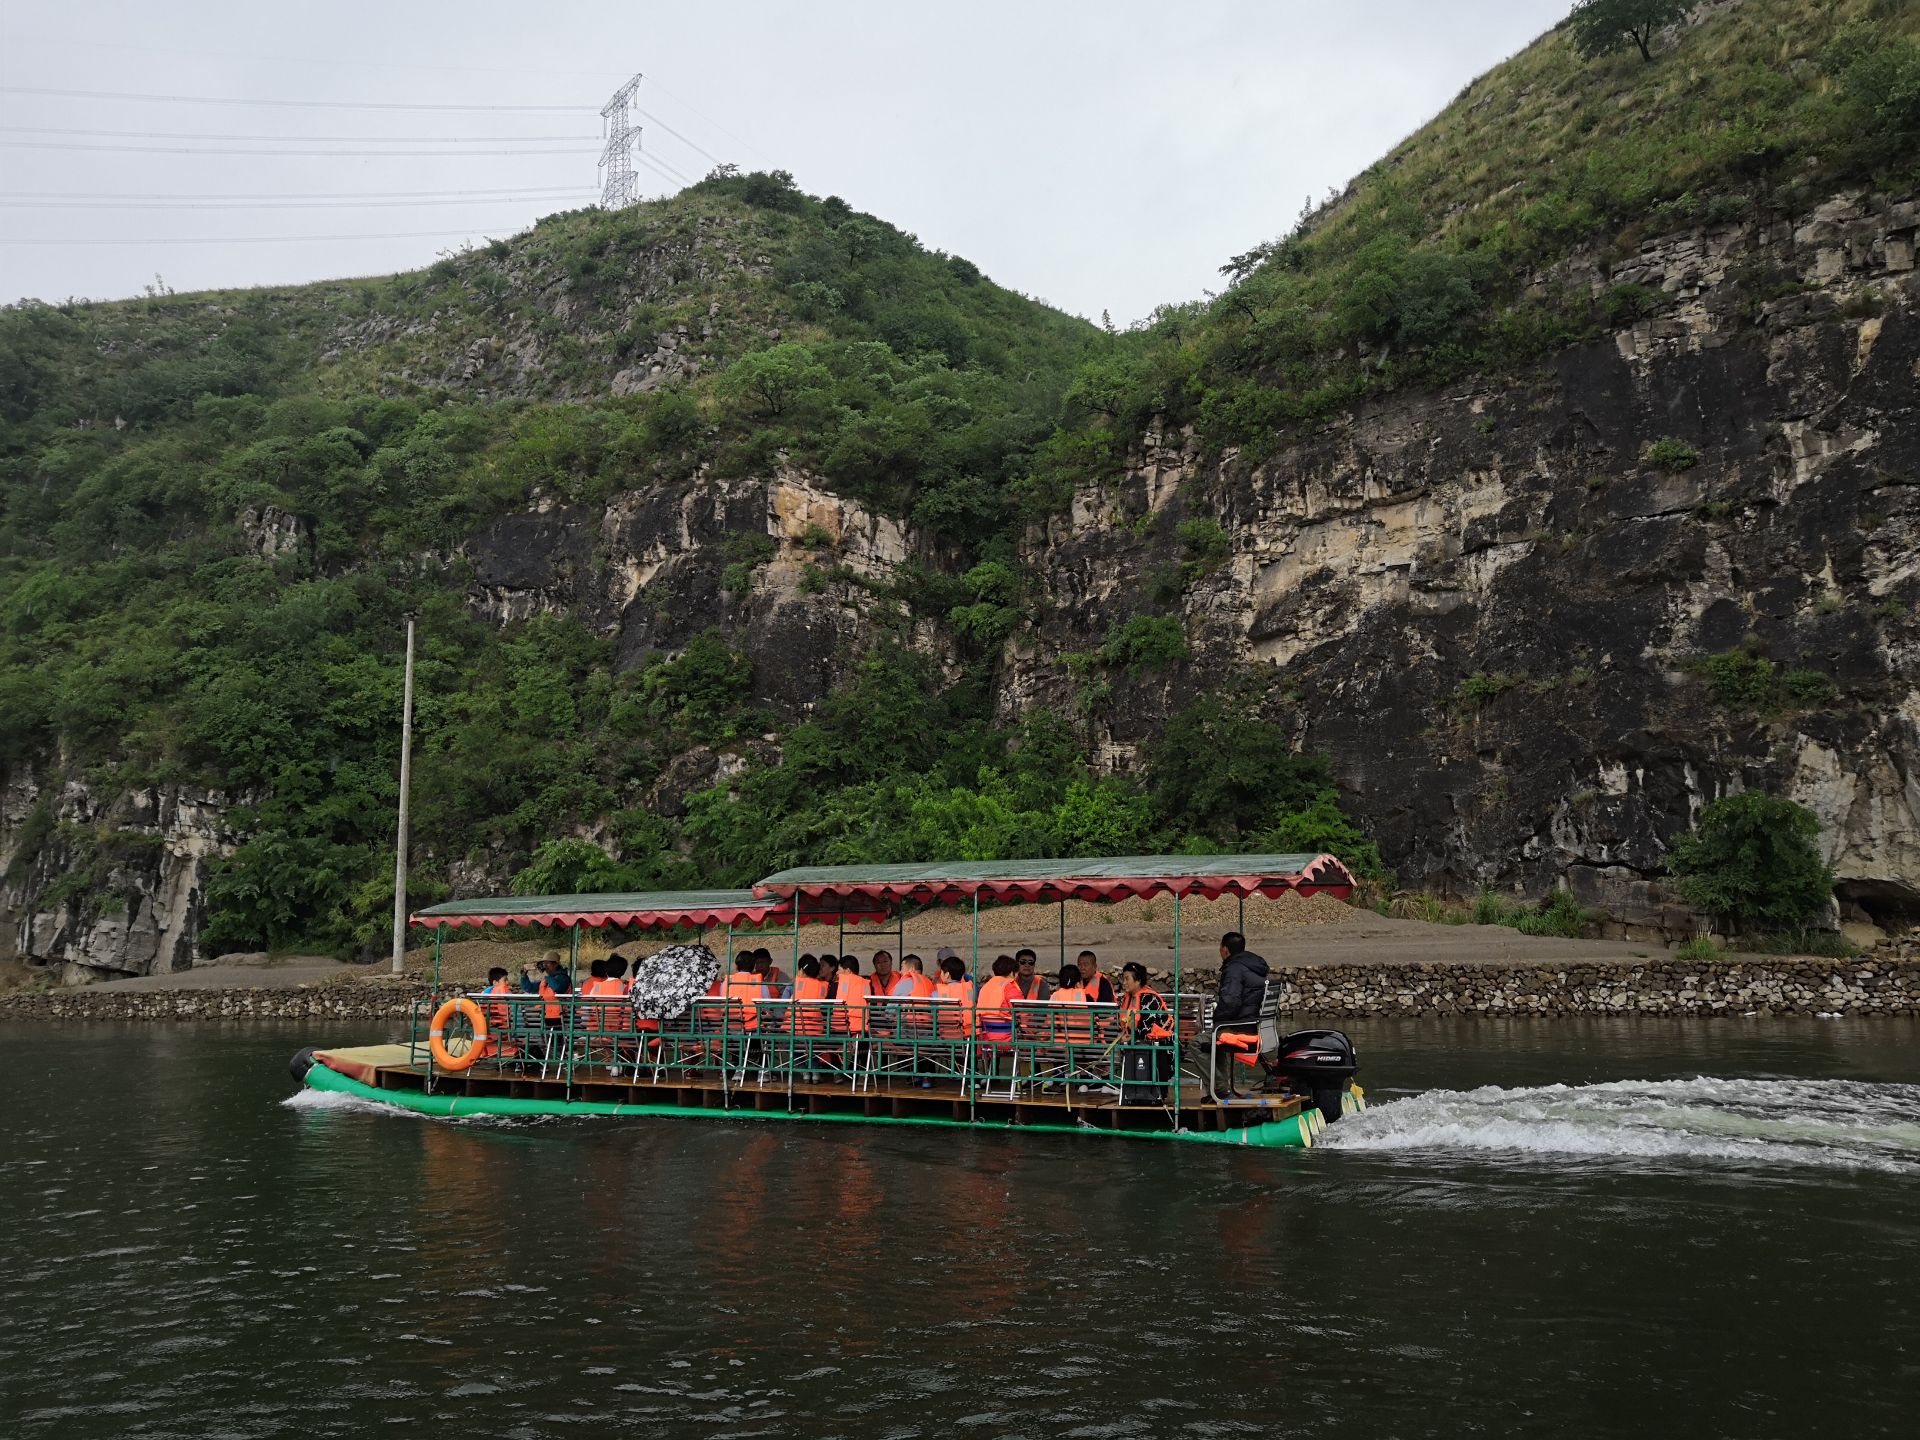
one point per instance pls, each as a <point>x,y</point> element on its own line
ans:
<point>437,1033</point>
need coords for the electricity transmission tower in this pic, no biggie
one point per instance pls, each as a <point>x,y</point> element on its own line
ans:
<point>617,187</point>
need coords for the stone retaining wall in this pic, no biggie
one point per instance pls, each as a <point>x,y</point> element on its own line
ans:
<point>325,1002</point>
<point>1655,987</point>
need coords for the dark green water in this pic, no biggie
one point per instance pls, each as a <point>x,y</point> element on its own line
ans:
<point>1606,1244</point>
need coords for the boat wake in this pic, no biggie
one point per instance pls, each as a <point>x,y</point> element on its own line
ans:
<point>333,1100</point>
<point>1831,1123</point>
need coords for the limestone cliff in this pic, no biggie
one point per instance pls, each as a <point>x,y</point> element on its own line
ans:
<point>1490,607</point>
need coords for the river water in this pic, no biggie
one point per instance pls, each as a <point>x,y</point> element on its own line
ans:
<point>1575,1228</point>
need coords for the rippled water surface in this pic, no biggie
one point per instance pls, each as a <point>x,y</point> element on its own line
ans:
<point>1662,1228</point>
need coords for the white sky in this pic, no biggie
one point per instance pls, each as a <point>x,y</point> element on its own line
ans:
<point>1101,156</point>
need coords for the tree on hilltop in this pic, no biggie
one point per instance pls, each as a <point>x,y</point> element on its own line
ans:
<point>1601,26</point>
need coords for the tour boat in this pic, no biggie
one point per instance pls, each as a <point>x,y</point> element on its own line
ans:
<point>684,1041</point>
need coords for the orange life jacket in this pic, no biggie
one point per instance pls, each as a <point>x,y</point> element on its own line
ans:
<point>1091,981</point>
<point>743,988</point>
<point>810,1019</point>
<point>1131,1007</point>
<point>879,987</point>
<point>853,993</point>
<point>552,1010</point>
<point>957,1019</point>
<point>993,1008</point>
<point>1071,1028</point>
<point>499,1016</point>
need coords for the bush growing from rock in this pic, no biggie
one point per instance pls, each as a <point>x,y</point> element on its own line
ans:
<point>1753,863</point>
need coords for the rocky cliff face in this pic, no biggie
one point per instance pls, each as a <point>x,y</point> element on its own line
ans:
<point>1496,608</point>
<point>1492,607</point>
<point>110,886</point>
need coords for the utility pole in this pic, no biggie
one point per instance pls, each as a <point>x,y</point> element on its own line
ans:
<point>406,778</point>
<point>617,187</point>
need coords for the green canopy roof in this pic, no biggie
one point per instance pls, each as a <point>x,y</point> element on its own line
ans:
<point>1113,877</point>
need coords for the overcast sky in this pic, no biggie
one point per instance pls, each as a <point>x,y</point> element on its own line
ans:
<point>1102,156</point>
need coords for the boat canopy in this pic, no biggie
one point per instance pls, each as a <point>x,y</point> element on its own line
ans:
<point>1013,881</point>
<point>656,910</point>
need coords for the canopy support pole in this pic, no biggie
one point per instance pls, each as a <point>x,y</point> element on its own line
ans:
<point>1176,1011</point>
<point>1063,933</point>
<point>1242,926</point>
<point>973,966</point>
<point>573,1001</point>
<point>439,931</point>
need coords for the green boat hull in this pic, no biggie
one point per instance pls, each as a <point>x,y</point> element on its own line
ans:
<point>1296,1132</point>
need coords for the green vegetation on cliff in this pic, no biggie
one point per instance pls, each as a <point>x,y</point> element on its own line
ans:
<point>214,509</point>
<point>217,507</point>
<point>1450,255</point>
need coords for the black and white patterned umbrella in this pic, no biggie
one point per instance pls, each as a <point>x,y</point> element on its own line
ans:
<point>668,982</point>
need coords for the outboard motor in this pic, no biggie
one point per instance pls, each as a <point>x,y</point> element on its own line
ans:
<point>1319,1064</point>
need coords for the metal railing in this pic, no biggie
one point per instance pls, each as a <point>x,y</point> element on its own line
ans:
<point>890,1045</point>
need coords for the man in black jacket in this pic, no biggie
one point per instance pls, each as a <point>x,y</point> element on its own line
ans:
<point>1243,986</point>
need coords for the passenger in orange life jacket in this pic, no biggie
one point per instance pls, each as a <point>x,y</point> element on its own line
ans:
<point>1099,989</point>
<point>993,1015</point>
<point>500,1016</point>
<point>1143,1022</point>
<point>743,987</point>
<point>881,982</point>
<point>956,1017</point>
<point>549,982</point>
<point>615,1013</point>
<point>774,977</point>
<point>1026,976</point>
<point>852,991</point>
<point>912,982</point>
<point>1067,991</point>
<point>809,988</point>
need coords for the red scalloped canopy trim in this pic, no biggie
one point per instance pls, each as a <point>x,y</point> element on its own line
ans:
<point>1321,878</point>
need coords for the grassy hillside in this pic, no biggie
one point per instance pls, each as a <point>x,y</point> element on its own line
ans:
<point>1449,256</point>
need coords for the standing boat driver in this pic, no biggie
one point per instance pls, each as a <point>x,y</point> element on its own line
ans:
<point>1236,1013</point>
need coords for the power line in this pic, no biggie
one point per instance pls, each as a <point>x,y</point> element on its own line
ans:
<point>678,136</point>
<point>661,168</point>
<point>284,154</point>
<point>299,139</point>
<point>689,107</point>
<point>508,192</point>
<point>357,64</point>
<point>250,239</point>
<point>289,104</point>
<point>11,204</point>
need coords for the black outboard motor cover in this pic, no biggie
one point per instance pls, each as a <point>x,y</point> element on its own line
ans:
<point>1318,1063</point>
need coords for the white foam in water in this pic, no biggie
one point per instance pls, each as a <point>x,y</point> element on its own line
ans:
<point>304,1099</point>
<point>1835,1123</point>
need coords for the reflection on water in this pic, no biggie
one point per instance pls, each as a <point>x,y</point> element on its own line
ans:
<point>1668,1226</point>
